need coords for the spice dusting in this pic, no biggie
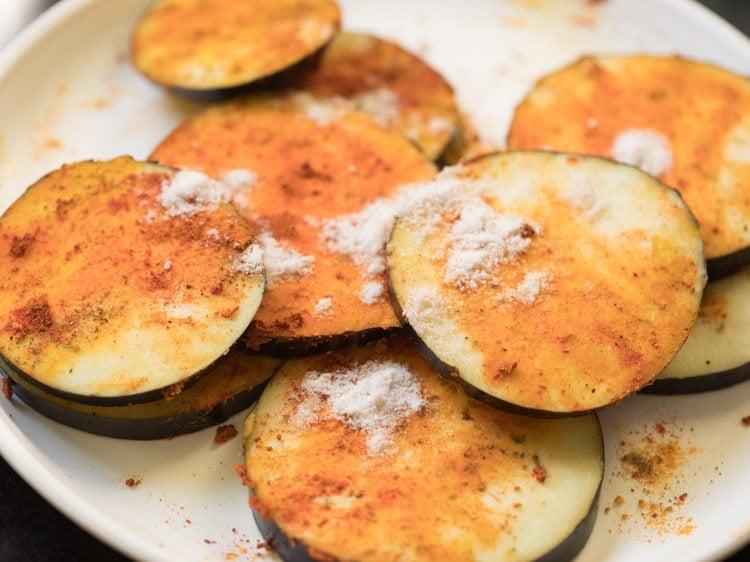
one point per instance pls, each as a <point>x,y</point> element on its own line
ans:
<point>132,482</point>
<point>224,433</point>
<point>652,461</point>
<point>7,388</point>
<point>746,421</point>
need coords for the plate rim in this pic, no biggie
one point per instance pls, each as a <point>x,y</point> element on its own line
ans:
<point>21,453</point>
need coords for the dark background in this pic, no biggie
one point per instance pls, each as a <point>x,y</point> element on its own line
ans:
<point>31,529</point>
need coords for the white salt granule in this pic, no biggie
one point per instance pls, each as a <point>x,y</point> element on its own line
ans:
<point>582,196</point>
<point>527,291</point>
<point>439,125</point>
<point>646,149</point>
<point>282,261</point>
<point>168,264</point>
<point>323,307</point>
<point>481,239</point>
<point>382,105</point>
<point>372,292</point>
<point>374,398</point>
<point>323,111</point>
<point>422,307</point>
<point>239,178</point>
<point>215,235</point>
<point>592,123</point>
<point>362,236</point>
<point>187,193</point>
<point>250,261</point>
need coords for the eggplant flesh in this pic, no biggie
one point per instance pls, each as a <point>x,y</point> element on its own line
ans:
<point>565,344</point>
<point>232,385</point>
<point>716,354</point>
<point>123,291</point>
<point>350,502</point>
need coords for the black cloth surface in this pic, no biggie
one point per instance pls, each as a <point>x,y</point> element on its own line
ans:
<point>31,529</point>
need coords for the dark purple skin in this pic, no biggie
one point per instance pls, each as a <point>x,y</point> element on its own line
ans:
<point>702,383</point>
<point>302,347</point>
<point>157,427</point>
<point>11,371</point>
<point>724,266</point>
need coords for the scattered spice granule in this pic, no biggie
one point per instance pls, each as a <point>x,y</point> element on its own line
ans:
<point>7,388</point>
<point>209,541</point>
<point>746,421</point>
<point>132,482</point>
<point>224,433</point>
<point>538,471</point>
<point>653,459</point>
<point>607,510</point>
<point>242,473</point>
<point>619,500</point>
<point>644,148</point>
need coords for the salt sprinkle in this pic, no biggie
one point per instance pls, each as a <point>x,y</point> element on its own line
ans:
<point>438,125</point>
<point>188,192</point>
<point>238,179</point>
<point>382,105</point>
<point>372,292</point>
<point>362,236</point>
<point>646,149</point>
<point>527,291</point>
<point>250,261</point>
<point>282,261</point>
<point>323,307</point>
<point>323,111</point>
<point>592,123</point>
<point>582,196</point>
<point>422,306</point>
<point>373,397</point>
<point>480,240</point>
<point>168,264</point>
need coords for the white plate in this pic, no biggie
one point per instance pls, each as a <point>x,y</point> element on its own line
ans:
<point>68,93</point>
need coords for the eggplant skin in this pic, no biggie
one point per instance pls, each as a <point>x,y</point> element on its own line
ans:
<point>288,348</point>
<point>143,429</point>
<point>702,383</point>
<point>12,372</point>
<point>724,266</point>
<point>291,550</point>
<point>288,549</point>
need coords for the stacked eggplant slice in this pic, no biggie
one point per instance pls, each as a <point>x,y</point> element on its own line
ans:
<point>687,123</point>
<point>368,455</point>
<point>431,347</point>
<point>129,281</point>
<point>216,48</point>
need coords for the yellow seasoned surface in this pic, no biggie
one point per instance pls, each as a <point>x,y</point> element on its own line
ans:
<point>397,88</point>
<point>703,112</point>
<point>214,44</point>
<point>307,171</point>
<point>107,295</point>
<point>623,272</point>
<point>462,481</point>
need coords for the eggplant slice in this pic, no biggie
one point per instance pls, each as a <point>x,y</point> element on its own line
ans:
<point>128,280</point>
<point>716,354</point>
<point>311,165</point>
<point>213,48</point>
<point>550,284</point>
<point>368,455</point>
<point>231,385</point>
<point>396,88</point>
<point>686,122</point>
